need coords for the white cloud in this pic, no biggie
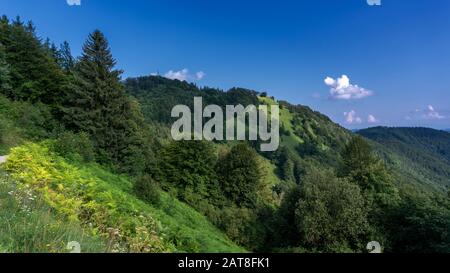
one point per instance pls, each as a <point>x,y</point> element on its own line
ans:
<point>372,119</point>
<point>330,81</point>
<point>200,75</point>
<point>184,75</point>
<point>342,89</point>
<point>431,113</point>
<point>181,75</point>
<point>352,118</point>
<point>73,2</point>
<point>428,113</point>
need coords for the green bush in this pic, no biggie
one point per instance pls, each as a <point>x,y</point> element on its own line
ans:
<point>147,189</point>
<point>21,121</point>
<point>75,146</point>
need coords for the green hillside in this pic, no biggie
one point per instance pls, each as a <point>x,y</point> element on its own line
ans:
<point>98,202</point>
<point>158,95</point>
<point>303,130</point>
<point>422,154</point>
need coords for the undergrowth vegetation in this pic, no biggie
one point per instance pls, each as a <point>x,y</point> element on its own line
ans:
<point>28,224</point>
<point>102,204</point>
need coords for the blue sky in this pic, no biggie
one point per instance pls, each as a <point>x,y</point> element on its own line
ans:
<point>361,65</point>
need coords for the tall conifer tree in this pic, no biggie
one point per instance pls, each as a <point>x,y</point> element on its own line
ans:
<point>97,104</point>
<point>66,60</point>
<point>5,80</point>
<point>35,76</point>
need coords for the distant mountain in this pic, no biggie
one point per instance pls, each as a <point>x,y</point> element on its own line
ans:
<point>421,154</point>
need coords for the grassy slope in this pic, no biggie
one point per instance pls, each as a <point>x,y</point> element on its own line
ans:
<point>180,226</point>
<point>28,225</point>
<point>286,117</point>
<point>180,222</point>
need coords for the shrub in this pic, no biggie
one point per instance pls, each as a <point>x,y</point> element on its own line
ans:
<point>240,225</point>
<point>75,146</point>
<point>147,189</point>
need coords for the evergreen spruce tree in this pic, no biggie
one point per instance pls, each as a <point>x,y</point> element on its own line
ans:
<point>66,60</point>
<point>54,53</point>
<point>5,80</point>
<point>98,105</point>
<point>35,76</point>
<point>5,76</point>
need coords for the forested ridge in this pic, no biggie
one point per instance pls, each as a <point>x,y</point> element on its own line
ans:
<point>91,160</point>
<point>423,152</point>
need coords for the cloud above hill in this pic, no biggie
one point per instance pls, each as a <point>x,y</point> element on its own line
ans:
<point>428,113</point>
<point>73,2</point>
<point>431,113</point>
<point>372,119</point>
<point>184,75</point>
<point>342,89</point>
<point>352,118</point>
